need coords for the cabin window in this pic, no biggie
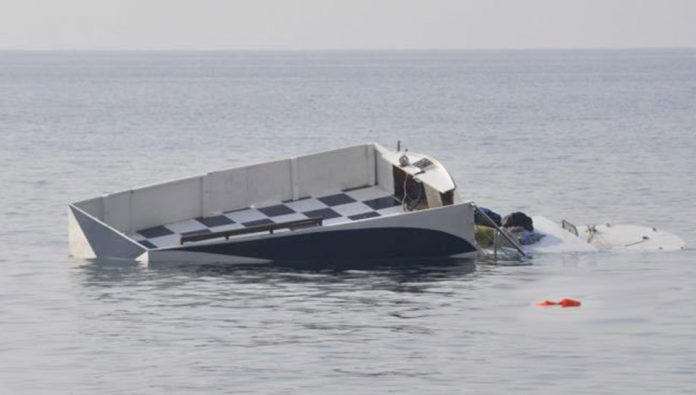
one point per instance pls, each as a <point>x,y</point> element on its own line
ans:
<point>447,198</point>
<point>399,177</point>
<point>416,198</point>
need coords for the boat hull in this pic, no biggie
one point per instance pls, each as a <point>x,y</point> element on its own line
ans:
<point>360,196</point>
<point>441,232</point>
<point>329,246</point>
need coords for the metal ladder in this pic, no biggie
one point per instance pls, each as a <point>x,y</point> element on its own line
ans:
<point>498,231</point>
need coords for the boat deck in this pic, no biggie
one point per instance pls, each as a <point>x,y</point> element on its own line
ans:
<point>347,206</point>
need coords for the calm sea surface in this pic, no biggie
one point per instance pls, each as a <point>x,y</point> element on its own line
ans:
<point>592,136</point>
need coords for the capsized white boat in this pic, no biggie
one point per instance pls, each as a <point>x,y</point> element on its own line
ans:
<point>615,237</point>
<point>357,203</point>
<point>565,237</point>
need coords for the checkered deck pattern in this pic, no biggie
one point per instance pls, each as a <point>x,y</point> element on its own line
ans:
<point>347,206</point>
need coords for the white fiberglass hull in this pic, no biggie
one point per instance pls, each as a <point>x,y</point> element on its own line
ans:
<point>619,238</point>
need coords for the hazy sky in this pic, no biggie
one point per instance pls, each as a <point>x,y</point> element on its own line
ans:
<point>345,24</point>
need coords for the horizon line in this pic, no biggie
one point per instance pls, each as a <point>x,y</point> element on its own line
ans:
<point>482,49</point>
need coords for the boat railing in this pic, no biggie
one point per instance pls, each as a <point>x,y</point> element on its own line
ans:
<point>569,227</point>
<point>498,231</point>
<point>291,225</point>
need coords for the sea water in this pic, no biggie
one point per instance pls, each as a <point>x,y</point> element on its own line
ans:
<point>592,136</point>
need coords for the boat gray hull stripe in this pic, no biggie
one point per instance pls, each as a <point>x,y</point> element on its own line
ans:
<point>349,244</point>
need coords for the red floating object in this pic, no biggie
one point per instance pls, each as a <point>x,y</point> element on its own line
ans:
<point>565,302</point>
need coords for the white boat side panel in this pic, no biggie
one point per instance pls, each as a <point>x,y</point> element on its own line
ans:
<point>268,182</point>
<point>117,211</point>
<point>165,203</point>
<point>224,191</point>
<point>93,207</point>
<point>384,172</point>
<point>294,182</point>
<point>334,171</point>
<point>217,192</point>
<point>370,161</point>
